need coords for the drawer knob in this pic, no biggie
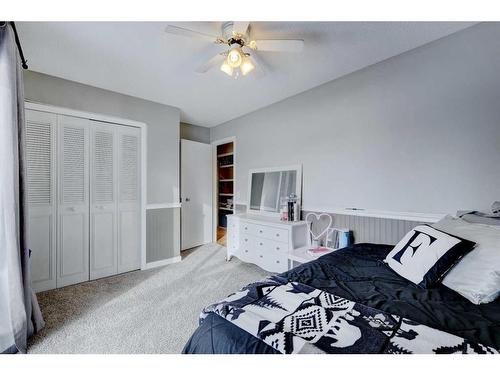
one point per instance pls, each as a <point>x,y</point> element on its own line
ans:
<point>246,251</point>
<point>277,234</point>
<point>277,261</point>
<point>260,244</point>
<point>246,228</point>
<point>246,239</point>
<point>260,231</point>
<point>261,256</point>
<point>277,247</point>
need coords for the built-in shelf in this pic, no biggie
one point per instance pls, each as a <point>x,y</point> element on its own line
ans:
<point>223,155</point>
<point>225,183</point>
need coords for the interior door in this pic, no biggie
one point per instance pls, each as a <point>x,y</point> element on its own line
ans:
<point>196,193</point>
<point>103,202</point>
<point>41,185</point>
<point>73,196</point>
<point>129,198</point>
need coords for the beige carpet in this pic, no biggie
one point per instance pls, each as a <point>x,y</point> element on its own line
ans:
<point>152,311</point>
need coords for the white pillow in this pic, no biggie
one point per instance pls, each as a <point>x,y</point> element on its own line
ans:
<point>477,275</point>
<point>425,254</point>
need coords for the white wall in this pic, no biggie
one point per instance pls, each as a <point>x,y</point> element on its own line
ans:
<point>419,132</point>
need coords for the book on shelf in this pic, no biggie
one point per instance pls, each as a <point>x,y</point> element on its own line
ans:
<point>338,238</point>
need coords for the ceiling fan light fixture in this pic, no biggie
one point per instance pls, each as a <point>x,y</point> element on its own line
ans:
<point>234,57</point>
<point>226,68</point>
<point>246,66</point>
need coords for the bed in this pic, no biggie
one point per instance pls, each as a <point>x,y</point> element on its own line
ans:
<point>358,273</point>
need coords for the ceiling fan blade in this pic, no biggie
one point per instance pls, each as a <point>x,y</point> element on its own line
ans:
<point>176,30</point>
<point>240,27</point>
<point>280,45</point>
<point>205,67</point>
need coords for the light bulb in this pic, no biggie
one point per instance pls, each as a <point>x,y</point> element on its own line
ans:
<point>234,58</point>
<point>246,66</point>
<point>226,68</point>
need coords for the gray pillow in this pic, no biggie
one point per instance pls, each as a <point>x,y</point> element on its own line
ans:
<point>477,217</point>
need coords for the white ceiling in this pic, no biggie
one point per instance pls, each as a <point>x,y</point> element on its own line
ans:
<point>140,59</point>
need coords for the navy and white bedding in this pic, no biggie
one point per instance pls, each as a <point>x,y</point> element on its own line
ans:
<point>346,302</point>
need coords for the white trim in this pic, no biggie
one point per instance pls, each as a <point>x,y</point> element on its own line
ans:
<point>35,106</point>
<point>163,262</point>
<point>215,189</point>
<point>409,216</point>
<point>156,206</point>
<point>144,200</point>
<point>395,215</point>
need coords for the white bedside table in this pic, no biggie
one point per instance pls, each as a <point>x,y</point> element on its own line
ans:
<point>300,255</point>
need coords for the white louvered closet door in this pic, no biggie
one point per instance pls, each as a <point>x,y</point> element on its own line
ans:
<point>103,200</point>
<point>41,182</point>
<point>129,199</point>
<point>73,201</point>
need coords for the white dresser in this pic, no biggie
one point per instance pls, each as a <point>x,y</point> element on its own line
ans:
<point>264,241</point>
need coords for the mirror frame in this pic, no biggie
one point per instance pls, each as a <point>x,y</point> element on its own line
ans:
<point>298,183</point>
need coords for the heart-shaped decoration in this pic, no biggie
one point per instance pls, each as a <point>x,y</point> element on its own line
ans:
<point>314,219</point>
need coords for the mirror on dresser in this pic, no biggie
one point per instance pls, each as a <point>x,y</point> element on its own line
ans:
<point>268,188</point>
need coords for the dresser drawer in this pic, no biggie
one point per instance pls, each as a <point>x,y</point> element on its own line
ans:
<point>271,261</point>
<point>269,246</point>
<point>270,233</point>
<point>246,252</point>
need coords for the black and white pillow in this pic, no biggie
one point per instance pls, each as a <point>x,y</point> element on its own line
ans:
<point>425,254</point>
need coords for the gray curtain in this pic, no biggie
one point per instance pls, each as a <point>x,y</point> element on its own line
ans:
<point>20,315</point>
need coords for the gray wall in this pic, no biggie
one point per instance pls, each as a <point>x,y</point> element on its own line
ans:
<point>419,132</point>
<point>195,133</point>
<point>162,136</point>
<point>160,242</point>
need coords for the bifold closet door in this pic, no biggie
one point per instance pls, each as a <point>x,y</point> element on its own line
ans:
<point>41,188</point>
<point>129,198</point>
<point>73,202</point>
<point>103,202</point>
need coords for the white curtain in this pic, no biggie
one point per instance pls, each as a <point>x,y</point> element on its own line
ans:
<point>20,315</point>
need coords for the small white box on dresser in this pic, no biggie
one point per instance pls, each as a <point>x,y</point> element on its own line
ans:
<point>264,240</point>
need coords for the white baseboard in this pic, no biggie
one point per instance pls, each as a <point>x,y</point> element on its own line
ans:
<point>163,262</point>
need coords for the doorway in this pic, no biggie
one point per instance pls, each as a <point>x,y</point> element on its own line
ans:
<point>224,186</point>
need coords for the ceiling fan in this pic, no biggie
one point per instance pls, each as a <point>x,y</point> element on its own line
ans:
<point>242,53</point>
